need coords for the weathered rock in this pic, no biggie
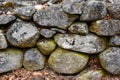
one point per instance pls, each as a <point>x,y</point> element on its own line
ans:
<point>115,40</point>
<point>114,11</point>
<point>58,30</point>
<point>33,59</point>
<point>10,59</point>
<point>53,16</point>
<point>82,43</point>
<point>90,75</point>
<point>67,62</point>
<point>47,33</point>
<point>110,60</point>
<point>22,34</point>
<point>25,13</point>
<point>93,10</point>
<point>3,41</point>
<point>79,28</point>
<point>5,19</point>
<point>106,27</point>
<point>46,46</point>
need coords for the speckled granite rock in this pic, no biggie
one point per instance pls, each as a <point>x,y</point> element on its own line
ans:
<point>10,59</point>
<point>22,34</point>
<point>67,62</point>
<point>90,43</point>
<point>33,59</point>
<point>115,40</point>
<point>110,60</point>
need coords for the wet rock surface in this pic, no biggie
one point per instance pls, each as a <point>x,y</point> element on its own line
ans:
<point>33,59</point>
<point>22,34</point>
<point>90,43</point>
<point>67,62</point>
<point>110,60</point>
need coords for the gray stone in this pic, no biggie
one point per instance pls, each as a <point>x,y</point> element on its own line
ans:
<point>3,41</point>
<point>58,30</point>
<point>10,59</point>
<point>33,60</point>
<point>53,16</point>
<point>79,28</point>
<point>22,34</point>
<point>46,46</point>
<point>90,43</point>
<point>42,1</point>
<point>91,75</point>
<point>47,33</point>
<point>67,62</point>
<point>110,60</point>
<point>105,27</point>
<point>114,1</point>
<point>25,13</point>
<point>115,40</point>
<point>5,19</point>
<point>114,11</point>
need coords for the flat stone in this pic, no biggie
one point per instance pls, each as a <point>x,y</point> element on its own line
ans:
<point>3,41</point>
<point>67,62</point>
<point>114,11</point>
<point>10,59</point>
<point>33,60</point>
<point>22,34</point>
<point>58,30</point>
<point>90,43</point>
<point>46,46</point>
<point>106,27</point>
<point>5,19</point>
<point>47,33</point>
<point>25,13</point>
<point>110,60</point>
<point>79,28</point>
<point>115,40</point>
<point>53,16</point>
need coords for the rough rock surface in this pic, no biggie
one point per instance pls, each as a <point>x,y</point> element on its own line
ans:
<point>25,13</point>
<point>79,27</point>
<point>46,46</point>
<point>106,27</point>
<point>33,59</point>
<point>10,59</point>
<point>22,34</point>
<point>3,41</point>
<point>67,62</point>
<point>110,60</point>
<point>82,43</point>
<point>115,40</point>
<point>53,16</point>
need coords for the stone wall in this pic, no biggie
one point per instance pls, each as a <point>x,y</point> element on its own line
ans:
<point>61,34</point>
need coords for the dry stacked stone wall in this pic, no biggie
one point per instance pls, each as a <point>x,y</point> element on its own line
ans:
<point>62,34</point>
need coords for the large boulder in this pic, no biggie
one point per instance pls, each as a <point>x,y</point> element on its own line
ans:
<point>67,62</point>
<point>105,27</point>
<point>22,34</point>
<point>110,60</point>
<point>53,16</point>
<point>33,60</point>
<point>10,59</point>
<point>90,43</point>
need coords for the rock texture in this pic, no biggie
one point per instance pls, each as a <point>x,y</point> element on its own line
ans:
<point>115,40</point>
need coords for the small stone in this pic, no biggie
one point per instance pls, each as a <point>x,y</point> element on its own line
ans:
<point>33,60</point>
<point>90,43</point>
<point>115,40</point>
<point>46,46</point>
<point>25,13</point>
<point>79,28</point>
<point>106,27</point>
<point>67,62</point>
<point>10,59</point>
<point>22,34</point>
<point>47,33</point>
<point>114,11</point>
<point>3,41</point>
<point>110,60</point>
<point>5,19</point>
<point>58,30</point>
<point>91,75</point>
<point>53,16</point>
